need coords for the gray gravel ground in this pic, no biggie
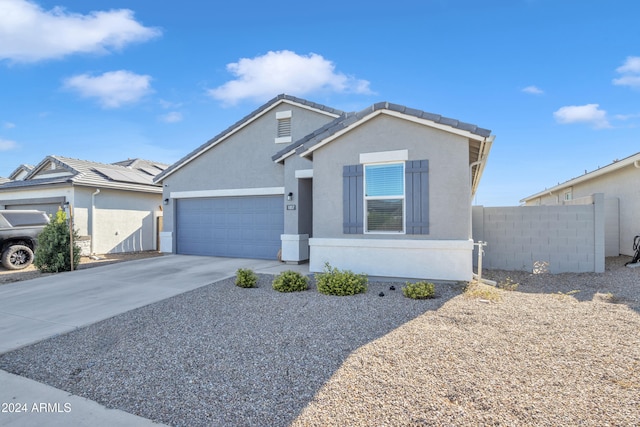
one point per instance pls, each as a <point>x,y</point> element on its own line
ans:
<point>544,355</point>
<point>219,355</point>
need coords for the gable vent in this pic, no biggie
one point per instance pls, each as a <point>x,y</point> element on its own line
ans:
<point>284,127</point>
<point>283,133</point>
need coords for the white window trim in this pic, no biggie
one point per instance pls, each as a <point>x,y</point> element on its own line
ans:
<point>384,156</point>
<point>283,140</point>
<point>366,198</point>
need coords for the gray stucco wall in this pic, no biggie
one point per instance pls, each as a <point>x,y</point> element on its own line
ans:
<point>449,181</point>
<point>297,221</point>
<point>243,160</point>
<point>566,238</point>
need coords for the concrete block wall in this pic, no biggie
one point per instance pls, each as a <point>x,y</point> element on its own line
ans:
<point>560,238</point>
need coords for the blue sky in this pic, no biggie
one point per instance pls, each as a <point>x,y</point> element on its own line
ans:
<point>557,81</point>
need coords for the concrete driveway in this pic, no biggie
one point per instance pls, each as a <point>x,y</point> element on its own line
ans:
<point>33,310</point>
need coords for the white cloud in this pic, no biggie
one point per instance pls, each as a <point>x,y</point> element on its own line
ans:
<point>534,90</point>
<point>6,145</point>
<point>112,89</point>
<point>168,104</point>
<point>8,125</point>
<point>627,116</point>
<point>263,77</point>
<point>29,34</point>
<point>172,117</point>
<point>589,113</point>
<point>631,65</point>
<point>630,71</point>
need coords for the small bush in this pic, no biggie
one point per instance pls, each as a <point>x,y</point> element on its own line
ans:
<point>508,285</point>
<point>419,290</point>
<point>290,281</point>
<point>482,291</point>
<point>53,252</point>
<point>334,281</point>
<point>246,278</point>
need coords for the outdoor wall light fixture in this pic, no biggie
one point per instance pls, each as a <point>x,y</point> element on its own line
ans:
<point>290,196</point>
<point>165,201</point>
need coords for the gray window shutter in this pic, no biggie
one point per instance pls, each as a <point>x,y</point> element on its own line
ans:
<point>353,199</point>
<point>417,196</point>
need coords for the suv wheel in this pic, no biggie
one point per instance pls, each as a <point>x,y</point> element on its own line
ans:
<point>17,257</point>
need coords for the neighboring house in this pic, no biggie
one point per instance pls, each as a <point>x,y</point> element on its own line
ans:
<point>3,180</point>
<point>619,183</point>
<point>117,206</point>
<point>386,191</point>
<point>20,172</point>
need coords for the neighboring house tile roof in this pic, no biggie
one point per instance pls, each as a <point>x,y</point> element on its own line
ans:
<point>248,118</point>
<point>348,119</point>
<point>3,180</point>
<point>136,177</point>
<point>20,169</point>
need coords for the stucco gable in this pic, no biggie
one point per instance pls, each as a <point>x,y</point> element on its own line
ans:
<point>480,139</point>
<point>353,120</point>
<point>245,121</point>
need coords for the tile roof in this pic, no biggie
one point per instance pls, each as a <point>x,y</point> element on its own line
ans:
<point>239,123</point>
<point>137,177</point>
<point>22,168</point>
<point>346,120</point>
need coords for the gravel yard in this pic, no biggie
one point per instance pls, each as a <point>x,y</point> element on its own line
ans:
<point>559,350</point>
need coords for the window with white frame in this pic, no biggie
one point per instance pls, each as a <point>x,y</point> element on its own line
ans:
<point>568,195</point>
<point>384,198</point>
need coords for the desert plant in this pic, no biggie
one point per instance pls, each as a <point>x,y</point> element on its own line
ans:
<point>246,278</point>
<point>333,281</point>
<point>53,251</point>
<point>482,291</point>
<point>290,281</point>
<point>508,284</point>
<point>419,290</point>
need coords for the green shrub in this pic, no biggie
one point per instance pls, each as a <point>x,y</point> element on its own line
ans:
<point>290,281</point>
<point>246,278</point>
<point>419,290</point>
<point>340,282</point>
<point>53,250</point>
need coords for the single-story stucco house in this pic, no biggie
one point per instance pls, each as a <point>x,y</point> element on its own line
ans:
<point>385,191</point>
<point>116,207</point>
<point>618,181</point>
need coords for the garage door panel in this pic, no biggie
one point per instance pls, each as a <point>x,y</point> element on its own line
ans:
<point>247,227</point>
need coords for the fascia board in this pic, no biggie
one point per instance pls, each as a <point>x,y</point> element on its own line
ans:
<point>245,124</point>
<point>399,115</point>
<point>430,123</point>
<point>340,133</point>
<point>586,177</point>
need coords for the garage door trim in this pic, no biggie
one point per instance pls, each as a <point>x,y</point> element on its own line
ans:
<point>231,192</point>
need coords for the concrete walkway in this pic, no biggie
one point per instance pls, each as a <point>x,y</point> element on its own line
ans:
<point>33,310</point>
